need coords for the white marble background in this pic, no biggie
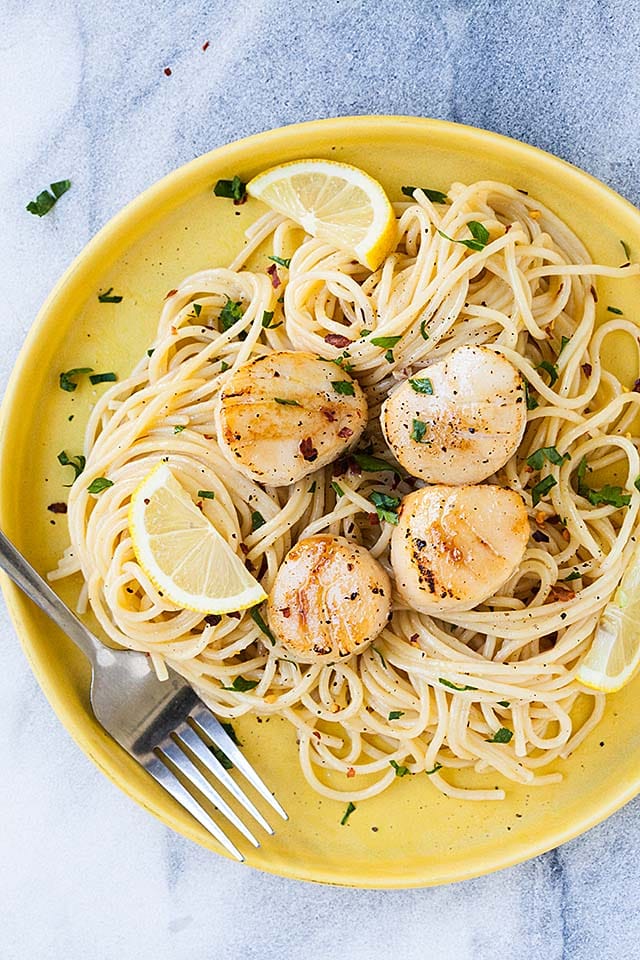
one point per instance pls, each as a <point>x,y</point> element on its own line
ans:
<point>84,873</point>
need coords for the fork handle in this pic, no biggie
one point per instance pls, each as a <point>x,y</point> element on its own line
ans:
<point>38,590</point>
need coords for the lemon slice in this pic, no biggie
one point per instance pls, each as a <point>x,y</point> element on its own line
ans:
<point>182,552</point>
<point>334,202</point>
<point>615,653</point>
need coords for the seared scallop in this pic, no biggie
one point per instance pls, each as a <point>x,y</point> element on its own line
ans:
<point>282,416</point>
<point>459,420</point>
<point>454,547</point>
<point>330,599</point>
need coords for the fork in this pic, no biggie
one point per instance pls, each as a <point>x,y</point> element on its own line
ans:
<point>160,723</point>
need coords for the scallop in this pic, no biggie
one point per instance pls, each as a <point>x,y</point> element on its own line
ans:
<point>284,415</point>
<point>459,420</point>
<point>330,599</point>
<point>454,547</point>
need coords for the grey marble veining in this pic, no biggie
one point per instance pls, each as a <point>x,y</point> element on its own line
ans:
<point>83,871</point>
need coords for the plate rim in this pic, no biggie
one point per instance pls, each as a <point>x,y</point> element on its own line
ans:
<point>17,604</point>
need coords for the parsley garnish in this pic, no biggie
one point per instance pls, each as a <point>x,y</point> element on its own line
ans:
<point>563,342</point>
<point>234,189</point>
<point>179,427</point>
<point>382,659</point>
<point>396,714</point>
<point>479,233</point>
<point>550,369</point>
<point>207,494</point>
<point>536,460</point>
<point>418,430</point>
<point>267,317</point>
<point>615,310</point>
<point>224,366</point>
<point>503,735</point>
<point>636,483</point>
<point>337,489</point>
<point>109,297</point>
<point>221,757</point>
<point>434,769</point>
<point>422,385</point>
<point>344,387</point>
<point>504,703</point>
<point>612,496</point>
<point>240,685</point>
<point>386,506</point>
<point>197,309</point>
<point>312,488</point>
<point>454,686</point>
<point>385,342</point>
<point>77,463</point>
<point>580,474</point>
<point>436,196</point>
<point>282,262</point>
<point>287,403</point>
<point>364,332</point>
<point>389,357</point>
<point>400,771</point>
<point>542,488</point>
<point>228,729</point>
<point>374,464</point>
<point>257,521</point>
<point>423,330</point>
<point>350,808</point>
<point>574,575</point>
<point>254,613</point>
<point>102,378</point>
<point>45,200</point>
<point>150,351</point>
<point>66,383</point>
<point>230,314</point>
<point>99,484</point>
<point>531,401</point>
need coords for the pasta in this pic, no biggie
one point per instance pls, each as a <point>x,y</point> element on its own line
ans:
<point>492,689</point>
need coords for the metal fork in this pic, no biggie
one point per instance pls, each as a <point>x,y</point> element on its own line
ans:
<point>159,723</point>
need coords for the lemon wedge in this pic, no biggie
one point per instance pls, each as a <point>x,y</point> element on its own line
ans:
<point>615,652</point>
<point>334,202</point>
<point>182,552</point>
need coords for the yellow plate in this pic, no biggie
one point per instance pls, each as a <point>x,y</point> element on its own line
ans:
<point>411,835</point>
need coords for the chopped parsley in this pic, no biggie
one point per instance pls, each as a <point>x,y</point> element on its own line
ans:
<point>240,685</point>
<point>365,332</point>
<point>350,808</point>
<point>436,196</point>
<point>257,521</point>
<point>67,383</point>
<point>99,484</point>
<point>221,757</point>
<point>230,314</point>
<point>434,769</point>
<point>503,735</point>
<point>396,714</point>
<point>611,496</point>
<point>228,729</point>
<point>422,385</point>
<point>179,427</point>
<point>386,506</point>
<point>281,261</point>
<point>636,483</point>
<point>385,342</point>
<point>536,460</point>
<point>235,189</point>
<point>197,309</point>
<point>479,233</point>
<point>207,494</point>
<point>103,378</point>
<point>344,387</point>
<point>454,686</point>
<point>254,613</point>
<point>267,317</point>
<point>550,369</point>
<point>574,575</point>
<point>287,403</point>
<point>224,366</point>
<point>418,430</point>
<point>615,310</point>
<point>389,357</point>
<point>382,659</point>
<point>46,200</point>
<point>423,330</point>
<point>312,488</point>
<point>77,463</point>
<point>531,401</point>
<point>563,342</point>
<point>580,474</point>
<point>401,771</point>
<point>337,489</point>
<point>109,297</point>
<point>504,703</point>
<point>375,464</point>
<point>150,351</point>
<point>541,489</point>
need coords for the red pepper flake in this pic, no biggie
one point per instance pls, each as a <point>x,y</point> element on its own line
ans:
<point>57,507</point>
<point>171,293</point>
<point>374,520</point>
<point>636,387</point>
<point>561,592</point>
<point>345,433</point>
<point>308,450</point>
<point>316,734</point>
<point>414,638</point>
<point>330,414</point>
<point>587,369</point>
<point>167,71</point>
<point>351,772</point>
<point>205,45</point>
<point>275,278</point>
<point>337,340</point>
<point>286,612</point>
<point>174,331</point>
<point>566,535</point>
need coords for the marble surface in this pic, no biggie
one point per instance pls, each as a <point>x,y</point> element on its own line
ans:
<point>83,871</point>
